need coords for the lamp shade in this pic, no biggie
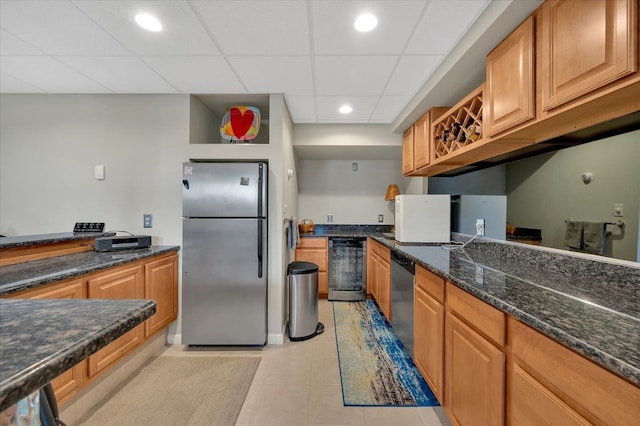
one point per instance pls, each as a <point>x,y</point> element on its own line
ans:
<point>392,191</point>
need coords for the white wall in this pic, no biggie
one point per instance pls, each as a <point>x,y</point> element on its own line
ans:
<point>49,145</point>
<point>331,186</point>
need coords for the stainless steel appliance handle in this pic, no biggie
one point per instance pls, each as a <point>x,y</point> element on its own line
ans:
<point>260,192</point>
<point>260,225</point>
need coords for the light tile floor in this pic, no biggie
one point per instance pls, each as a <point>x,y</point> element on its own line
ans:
<point>298,383</point>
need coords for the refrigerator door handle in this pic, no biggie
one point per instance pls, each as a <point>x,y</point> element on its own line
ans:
<point>260,184</point>
<point>260,224</point>
<point>185,182</point>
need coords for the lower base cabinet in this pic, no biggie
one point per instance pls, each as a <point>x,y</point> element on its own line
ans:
<point>125,282</point>
<point>549,384</point>
<point>379,275</point>
<point>428,339</point>
<point>475,376</point>
<point>316,250</point>
<point>160,285</point>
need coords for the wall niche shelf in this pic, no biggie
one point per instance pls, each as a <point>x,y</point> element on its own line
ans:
<point>206,112</point>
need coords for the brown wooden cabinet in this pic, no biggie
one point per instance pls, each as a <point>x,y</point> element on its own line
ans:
<point>417,142</point>
<point>429,329</point>
<point>383,278</point>
<point>408,165</point>
<point>474,360</point>
<point>372,269</point>
<point>510,86</point>
<point>379,275</point>
<point>160,277</point>
<point>571,65</point>
<point>68,383</point>
<point>548,384</point>
<point>125,282</point>
<point>315,250</point>
<point>584,46</point>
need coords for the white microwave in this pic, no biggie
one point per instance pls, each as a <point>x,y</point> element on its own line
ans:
<point>423,218</point>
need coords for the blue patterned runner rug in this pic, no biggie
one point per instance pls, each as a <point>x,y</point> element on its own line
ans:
<point>375,369</point>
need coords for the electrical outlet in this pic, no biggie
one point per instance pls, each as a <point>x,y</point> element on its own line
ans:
<point>354,167</point>
<point>618,210</point>
<point>480,227</point>
<point>329,218</point>
<point>147,220</point>
<point>380,218</point>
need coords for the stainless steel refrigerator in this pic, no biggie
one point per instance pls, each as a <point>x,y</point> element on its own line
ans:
<point>224,255</point>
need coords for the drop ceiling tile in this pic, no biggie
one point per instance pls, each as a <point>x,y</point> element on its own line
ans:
<point>197,74</point>
<point>388,108</point>
<point>363,107</point>
<point>49,74</point>
<point>121,74</point>
<point>411,73</point>
<point>443,25</point>
<point>302,108</point>
<point>12,45</point>
<point>274,74</point>
<point>257,27</point>
<point>353,75</point>
<point>183,34</point>
<point>333,32</point>
<point>9,84</point>
<point>57,28</point>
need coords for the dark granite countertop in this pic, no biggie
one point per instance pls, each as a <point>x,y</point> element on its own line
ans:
<point>30,240</point>
<point>348,231</point>
<point>23,276</point>
<point>590,306</point>
<point>40,339</point>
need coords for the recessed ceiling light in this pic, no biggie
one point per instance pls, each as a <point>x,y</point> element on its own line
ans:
<point>148,22</point>
<point>345,109</point>
<point>365,22</point>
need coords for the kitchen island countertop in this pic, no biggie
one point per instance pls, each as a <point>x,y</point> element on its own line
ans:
<point>590,306</point>
<point>59,237</point>
<point>24,276</point>
<point>40,339</point>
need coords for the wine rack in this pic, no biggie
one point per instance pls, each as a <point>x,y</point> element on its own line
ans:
<point>459,127</point>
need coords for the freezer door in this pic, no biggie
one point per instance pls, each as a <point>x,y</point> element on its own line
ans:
<point>224,189</point>
<point>224,282</point>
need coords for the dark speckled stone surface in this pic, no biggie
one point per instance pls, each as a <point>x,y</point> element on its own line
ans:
<point>40,339</point>
<point>23,276</point>
<point>348,230</point>
<point>29,240</point>
<point>590,306</point>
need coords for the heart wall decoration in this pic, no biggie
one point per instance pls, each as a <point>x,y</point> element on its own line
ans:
<point>240,123</point>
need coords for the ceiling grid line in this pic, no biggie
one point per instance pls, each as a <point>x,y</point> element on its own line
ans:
<point>216,43</point>
<point>307,50</point>
<point>312,58</point>
<point>425,7</point>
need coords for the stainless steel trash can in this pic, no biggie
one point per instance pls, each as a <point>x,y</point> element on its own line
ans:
<point>303,301</point>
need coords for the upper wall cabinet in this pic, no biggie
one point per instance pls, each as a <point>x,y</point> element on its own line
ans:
<point>510,85</point>
<point>417,142</point>
<point>585,45</point>
<point>570,69</point>
<point>408,161</point>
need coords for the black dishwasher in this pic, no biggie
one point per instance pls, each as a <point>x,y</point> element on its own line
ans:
<point>402,271</point>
